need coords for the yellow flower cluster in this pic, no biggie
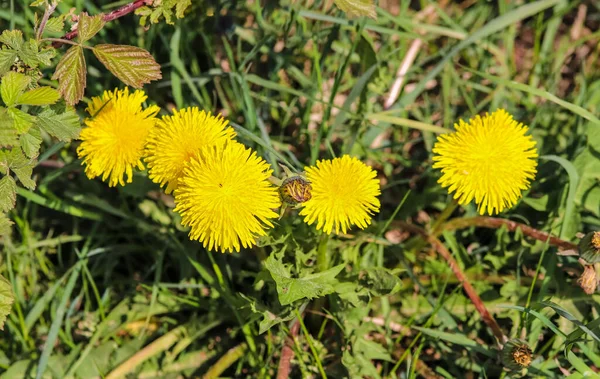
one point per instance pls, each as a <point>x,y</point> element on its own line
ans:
<point>223,190</point>
<point>489,159</point>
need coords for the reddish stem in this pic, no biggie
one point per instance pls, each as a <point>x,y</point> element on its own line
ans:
<point>496,223</point>
<point>287,353</point>
<point>468,288</point>
<point>120,12</point>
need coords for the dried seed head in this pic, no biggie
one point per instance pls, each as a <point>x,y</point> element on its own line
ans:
<point>589,247</point>
<point>295,190</point>
<point>588,281</point>
<point>516,354</point>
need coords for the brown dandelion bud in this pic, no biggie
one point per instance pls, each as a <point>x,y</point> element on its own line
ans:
<point>589,247</point>
<point>295,190</point>
<point>588,281</point>
<point>516,354</point>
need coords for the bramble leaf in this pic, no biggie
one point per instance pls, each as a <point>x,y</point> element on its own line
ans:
<point>55,24</point>
<point>8,133</point>
<point>30,142</point>
<point>39,96</point>
<point>21,121</point>
<point>6,299</point>
<point>12,38</point>
<point>7,59</point>
<point>8,193</point>
<point>357,8</point>
<point>5,224</point>
<point>311,286</point>
<point>64,126</point>
<point>11,87</point>
<point>163,9</point>
<point>16,162</point>
<point>89,25</point>
<point>70,72</point>
<point>132,65</point>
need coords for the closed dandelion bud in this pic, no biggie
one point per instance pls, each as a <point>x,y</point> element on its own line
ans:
<point>516,355</point>
<point>588,281</point>
<point>589,247</point>
<point>295,190</point>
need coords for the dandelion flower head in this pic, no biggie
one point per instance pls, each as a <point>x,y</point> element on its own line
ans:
<point>489,159</point>
<point>177,138</point>
<point>225,197</point>
<point>344,193</point>
<point>114,139</point>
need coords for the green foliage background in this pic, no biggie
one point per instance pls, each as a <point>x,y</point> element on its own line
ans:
<point>106,282</point>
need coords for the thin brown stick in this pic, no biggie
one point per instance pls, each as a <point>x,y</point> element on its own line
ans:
<point>468,288</point>
<point>117,13</point>
<point>287,353</point>
<point>496,223</point>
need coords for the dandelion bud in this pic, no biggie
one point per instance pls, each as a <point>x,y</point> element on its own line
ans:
<point>589,247</point>
<point>295,190</point>
<point>516,354</point>
<point>588,281</point>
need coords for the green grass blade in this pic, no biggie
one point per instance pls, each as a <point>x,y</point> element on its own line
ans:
<point>490,28</point>
<point>58,321</point>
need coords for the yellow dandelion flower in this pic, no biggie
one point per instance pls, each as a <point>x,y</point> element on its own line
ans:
<point>489,159</point>
<point>113,141</point>
<point>179,137</point>
<point>225,197</point>
<point>344,193</point>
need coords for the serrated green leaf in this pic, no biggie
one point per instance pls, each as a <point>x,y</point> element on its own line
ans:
<point>30,142</point>
<point>64,126</point>
<point>132,65</point>
<point>39,96</point>
<point>33,55</point>
<point>8,193</point>
<point>11,87</point>
<point>7,59</point>
<point>12,38</point>
<point>55,25</point>
<point>8,133</point>
<point>6,300</point>
<point>5,224</point>
<point>70,73</point>
<point>89,25</point>
<point>292,289</point>
<point>15,161</point>
<point>357,8</point>
<point>21,120</point>
<point>24,174</point>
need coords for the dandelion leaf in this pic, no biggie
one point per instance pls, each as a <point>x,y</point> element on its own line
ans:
<point>132,65</point>
<point>357,8</point>
<point>89,26</point>
<point>65,125</point>
<point>6,299</point>
<point>308,287</point>
<point>70,73</point>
